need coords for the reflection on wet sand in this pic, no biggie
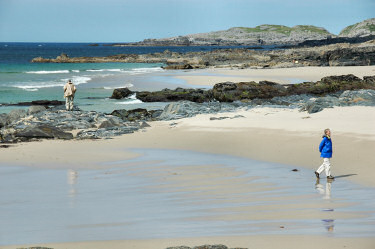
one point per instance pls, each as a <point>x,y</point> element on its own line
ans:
<point>328,223</point>
<point>72,176</point>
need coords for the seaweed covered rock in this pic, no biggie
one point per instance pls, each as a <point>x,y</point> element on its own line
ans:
<point>168,95</point>
<point>120,93</point>
<point>229,92</point>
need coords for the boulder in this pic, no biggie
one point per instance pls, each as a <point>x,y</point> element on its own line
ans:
<point>167,95</point>
<point>120,93</point>
<point>15,115</point>
<point>133,115</point>
<point>35,109</point>
<point>43,131</point>
<point>331,84</point>
<point>178,66</point>
<point>3,119</point>
<point>229,92</point>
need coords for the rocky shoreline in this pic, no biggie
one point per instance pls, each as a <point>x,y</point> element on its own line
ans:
<point>342,54</point>
<point>44,122</point>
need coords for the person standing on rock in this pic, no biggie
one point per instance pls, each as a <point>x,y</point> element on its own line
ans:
<point>69,91</point>
<point>325,149</point>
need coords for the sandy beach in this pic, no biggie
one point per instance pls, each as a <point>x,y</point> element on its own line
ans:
<point>211,76</point>
<point>274,135</point>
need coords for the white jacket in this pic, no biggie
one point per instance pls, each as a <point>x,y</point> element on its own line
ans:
<point>69,89</point>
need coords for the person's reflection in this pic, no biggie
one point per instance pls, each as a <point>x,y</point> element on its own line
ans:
<point>326,192</point>
<point>72,180</point>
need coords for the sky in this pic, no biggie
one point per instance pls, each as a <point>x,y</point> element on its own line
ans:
<point>135,20</point>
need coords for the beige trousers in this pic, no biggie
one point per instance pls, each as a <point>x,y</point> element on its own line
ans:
<point>69,103</point>
<point>326,165</point>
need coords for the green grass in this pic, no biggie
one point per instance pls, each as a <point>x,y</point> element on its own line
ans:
<point>284,29</point>
<point>371,27</point>
<point>269,28</point>
<point>310,28</point>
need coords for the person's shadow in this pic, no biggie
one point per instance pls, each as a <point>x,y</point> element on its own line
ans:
<point>348,175</point>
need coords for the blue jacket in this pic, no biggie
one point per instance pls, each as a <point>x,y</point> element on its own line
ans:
<point>325,147</point>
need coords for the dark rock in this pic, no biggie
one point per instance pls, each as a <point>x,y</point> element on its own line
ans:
<point>155,113</point>
<point>15,115</point>
<point>35,109</point>
<point>37,102</point>
<point>178,66</point>
<point>331,84</point>
<point>107,132</point>
<point>211,247</point>
<point>120,93</point>
<point>219,118</point>
<point>317,105</point>
<point>351,57</point>
<point>178,247</point>
<point>370,80</point>
<point>3,119</point>
<point>43,131</point>
<point>167,95</point>
<point>106,124</point>
<point>144,125</point>
<point>133,115</point>
<point>229,92</point>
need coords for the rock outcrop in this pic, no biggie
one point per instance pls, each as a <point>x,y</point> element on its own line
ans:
<point>53,123</point>
<point>260,35</point>
<point>342,54</point>
<point>43,131</point>
<point>364,28</point>
<point>167,95</point>
<point>45,103</point>
<point>20,125</point>
<point>246,91</point>
<point>120,93</point>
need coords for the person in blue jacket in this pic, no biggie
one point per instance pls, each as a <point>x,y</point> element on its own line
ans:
<point>325,149</point>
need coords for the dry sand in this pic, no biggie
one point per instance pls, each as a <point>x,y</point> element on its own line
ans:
<point>211,76</point>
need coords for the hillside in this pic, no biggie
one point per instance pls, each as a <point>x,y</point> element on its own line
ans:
<point>266,34</point>
<point>365,28</point>
<point>260,35</point>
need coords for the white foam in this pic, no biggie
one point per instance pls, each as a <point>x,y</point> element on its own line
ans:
<point>33,88</point>
<point>128,85</point>
<point>136,71</point>
<point>48,72</point>
<point>130,101</point>
<point>104,70</point>
<point>77,80</point>
<point>75,71</point>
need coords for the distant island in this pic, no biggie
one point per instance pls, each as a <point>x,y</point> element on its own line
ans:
<point>260,35</point>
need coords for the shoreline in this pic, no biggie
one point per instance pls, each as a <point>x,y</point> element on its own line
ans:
<point>211,76</point>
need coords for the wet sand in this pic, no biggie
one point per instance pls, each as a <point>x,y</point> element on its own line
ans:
<point>177,193</point>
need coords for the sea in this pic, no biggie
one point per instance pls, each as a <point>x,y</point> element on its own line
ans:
<point>22,81</point>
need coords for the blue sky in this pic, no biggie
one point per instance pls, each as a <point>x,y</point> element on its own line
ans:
<point>129,20</point>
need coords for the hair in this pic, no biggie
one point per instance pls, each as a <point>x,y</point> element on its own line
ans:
<point>69,80</point>
<point>325,131</point>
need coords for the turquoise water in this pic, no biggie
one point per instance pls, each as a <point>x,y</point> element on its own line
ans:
<point>21,80</point>
<point>27,82</point>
